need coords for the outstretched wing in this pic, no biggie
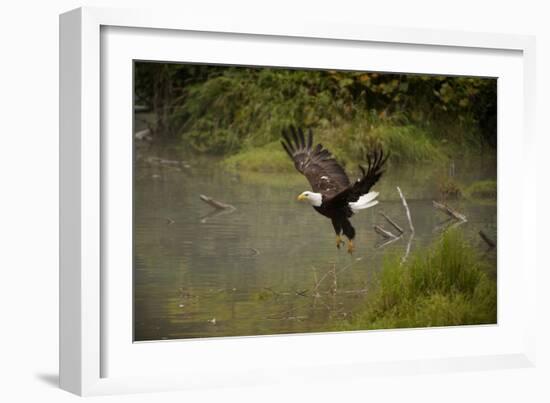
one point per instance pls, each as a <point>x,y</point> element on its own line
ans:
<point>324,174</point>
<point>362,185</point>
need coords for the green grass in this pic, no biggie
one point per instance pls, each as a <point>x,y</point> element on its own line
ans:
<point>406,143</point>
<point>266,159</point>
<point>265,165</point>
<point>486,189</point>
<point>348,144</point>
<point>445,285</point>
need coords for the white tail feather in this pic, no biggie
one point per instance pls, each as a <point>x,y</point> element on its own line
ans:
<point>370,204</point>
<point>365,201</point>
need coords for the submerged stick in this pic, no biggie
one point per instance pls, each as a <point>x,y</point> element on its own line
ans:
<point>255,252</point>
<point>492,244</point>
<point>393,223</point>
<point>318,283</point>
<point>215,203</point>
<point>216,213</point>
<point>406,209</point>
<point>449,211</point>
<point>443,225</point>
<point>347,266</point>
<point>449,224</point>
<point>385,233</point>
<point>334,272</point>
<point>361,291</point>
<point>387,242</point>
<point>334,279</point>
<point>301,293</point>
<point>408,249</point>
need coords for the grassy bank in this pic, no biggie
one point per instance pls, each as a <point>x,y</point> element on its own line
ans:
<point>267,159</point>
<point>486,189</point>
<point>349,144</point>
<point>445,285</point>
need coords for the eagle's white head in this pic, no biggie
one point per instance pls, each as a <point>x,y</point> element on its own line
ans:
<point>315,199</point>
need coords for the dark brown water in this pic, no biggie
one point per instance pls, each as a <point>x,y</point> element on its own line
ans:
<point>253,271</point>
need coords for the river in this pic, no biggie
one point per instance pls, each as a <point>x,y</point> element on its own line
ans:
<point>254,270</point>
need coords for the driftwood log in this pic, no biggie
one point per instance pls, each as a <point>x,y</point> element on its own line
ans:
<point>492,244</point>
<point>386,242</point>
<point>220,208</point>
<point>143,134</point>
<point>449,211</point>
<point>164,161</point>
<point>411,236</point>
<point>384,233</point>
<point>389,237</point>
<point>216,213</point>
<point>406,208</point>
<point>392,223</point>
<point>215,203</point>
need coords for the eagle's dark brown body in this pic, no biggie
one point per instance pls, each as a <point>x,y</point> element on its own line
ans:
<point>327,177</point>
<point>339,218</point>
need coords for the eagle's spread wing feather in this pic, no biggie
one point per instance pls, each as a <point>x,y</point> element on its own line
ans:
<point>362,185</point>
<point>324,174</point>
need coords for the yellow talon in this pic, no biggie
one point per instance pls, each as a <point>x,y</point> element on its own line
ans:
<point>339,241</point>
<point>350,247</point>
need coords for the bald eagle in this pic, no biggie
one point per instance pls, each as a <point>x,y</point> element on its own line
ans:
<point>332,193</point>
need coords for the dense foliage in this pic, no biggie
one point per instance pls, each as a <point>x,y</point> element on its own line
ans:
<point>220,109</point>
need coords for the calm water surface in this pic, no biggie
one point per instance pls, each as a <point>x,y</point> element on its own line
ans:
<point>253,271</point>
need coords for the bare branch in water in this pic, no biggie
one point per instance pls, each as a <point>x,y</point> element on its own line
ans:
<point>255,252</point>
<point>347,266</point>
<point>387,242</point>
<point>392,223</point>
<point>492,244</point>
<point>385,233</point>
<point>361,291</point>
<point>334,279</point>
<point>408,212</point>
<point>216,213</point>
<point>334,272</point>
<point>408,249</point>
<point>406,209</point>
<point>449,211</point>
<point>318,283</point>
<point>215,203</point>
<point>443,225</point>
<point>449,224</point>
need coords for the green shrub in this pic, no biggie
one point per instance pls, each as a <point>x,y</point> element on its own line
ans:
<point>227,109</point>
<point>250,107</point>
<point>486,189</point>
<point>446,285</point>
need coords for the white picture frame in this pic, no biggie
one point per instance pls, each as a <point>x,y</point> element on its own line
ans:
<point>96,355</point>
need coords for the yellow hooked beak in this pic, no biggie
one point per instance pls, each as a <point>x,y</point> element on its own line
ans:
<point>302,197</point>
